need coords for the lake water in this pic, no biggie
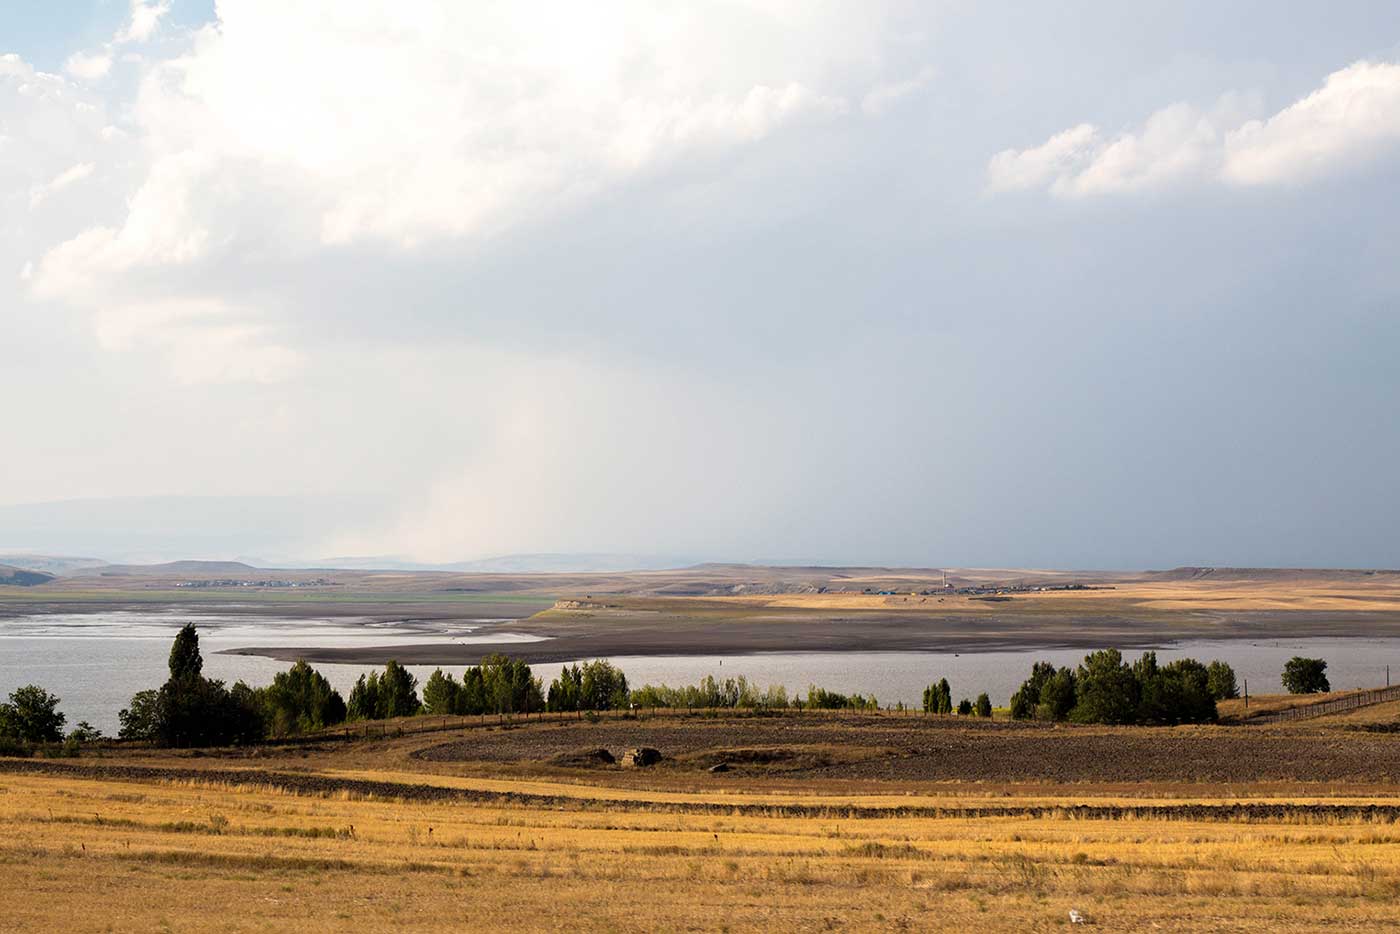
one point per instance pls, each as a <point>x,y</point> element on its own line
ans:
<point>95,662</point>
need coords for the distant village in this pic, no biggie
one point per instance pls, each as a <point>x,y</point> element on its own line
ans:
<point>230,582</point>
<point>981,590</point>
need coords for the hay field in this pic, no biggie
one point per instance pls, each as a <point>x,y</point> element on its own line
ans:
<point>364,835</point>
<point>1175,596</point>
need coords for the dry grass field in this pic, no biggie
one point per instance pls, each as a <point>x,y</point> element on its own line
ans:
<point>499,836</point>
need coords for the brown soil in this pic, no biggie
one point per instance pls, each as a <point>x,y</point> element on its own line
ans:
<point>891,749</point>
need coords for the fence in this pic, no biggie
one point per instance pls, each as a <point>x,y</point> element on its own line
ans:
<point>1323,708</point>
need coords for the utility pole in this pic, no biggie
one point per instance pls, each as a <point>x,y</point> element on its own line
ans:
<point>1246,693</point>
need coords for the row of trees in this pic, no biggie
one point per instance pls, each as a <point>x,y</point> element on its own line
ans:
<point>498,685</point>
<point>191,710</point>
<point>938,698</point>
<point>1106,689</point>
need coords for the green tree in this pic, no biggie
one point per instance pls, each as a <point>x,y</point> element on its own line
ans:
<point>1305,676</point>
<point>1190,699</point>
<point>300,700</point>
<point>1220,679</point>
<point>399,691</point>
<point>945,696</point>
<point>1106,690</point>
<point>604,687</point>
<point>32,716</point>
<point>364,699</point>
<point>138,719</point>
<point>185,660</point>
<point>195,711</point>
<point>566,690</point>
<point>1027,697</point>
<point>965,707</point>
<point>984,705</point>
<point>1057,696</point>
<point>441,694</point>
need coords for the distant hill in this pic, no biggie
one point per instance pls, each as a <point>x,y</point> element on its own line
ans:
<point>18,577</point>
<point>547,563</point>
<point>169,568</point>
<point>50,564</point>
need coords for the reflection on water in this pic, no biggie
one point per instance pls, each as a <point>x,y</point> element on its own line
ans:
<point>95,662</point>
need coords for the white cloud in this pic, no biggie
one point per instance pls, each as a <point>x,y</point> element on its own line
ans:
<point>69,176</point>
<point>305,127</point>
<point>145,19</point>
<point>1061,154</point>
<point>88,66</point>
<point>1353,118</point>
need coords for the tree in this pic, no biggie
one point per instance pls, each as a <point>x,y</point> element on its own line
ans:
<point>1106,690</point>
<point>300,700</point>
<point>1220,680</point>
<point>32,716</point>
<point>984,705</point>
<point>507,686</point>
<point>399,690</point>
<point>138,719</point>
<point>565,690</point>
<point>185,660</point>
<point>604,687</point>
<point>938,698</point>
<point>964,708</point>
<point>1057,696</point>
<point>441,694</point>
<point>199,712</point>
<point>1027,697</point>
<point>191,710</point>
<point>1305,676</point>
<point>364,699</point>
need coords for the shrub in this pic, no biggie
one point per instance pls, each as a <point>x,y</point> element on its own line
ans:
<point>1305,676</point>
<point>964,708</point>
<point>84,732</point>
<point>984,705</point>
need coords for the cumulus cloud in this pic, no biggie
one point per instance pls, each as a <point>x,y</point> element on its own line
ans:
<point>1059,156</point>
<point>335,124</point>
<point>1353,118</point>
<point>144,21</point>
<point>88,66</point>
<point>141,26</point>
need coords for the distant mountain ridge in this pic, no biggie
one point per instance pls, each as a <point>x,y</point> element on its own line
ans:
<point>19,577</point>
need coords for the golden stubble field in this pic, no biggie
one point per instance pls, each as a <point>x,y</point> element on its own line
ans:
<point>247,851</point>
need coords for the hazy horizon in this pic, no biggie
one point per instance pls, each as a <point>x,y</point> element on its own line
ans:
<point>966,285</point>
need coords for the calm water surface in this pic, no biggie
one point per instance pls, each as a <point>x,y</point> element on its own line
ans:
<point>95,662</point>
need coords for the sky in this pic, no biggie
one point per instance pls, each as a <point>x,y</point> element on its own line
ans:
<point>1071,285</point>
